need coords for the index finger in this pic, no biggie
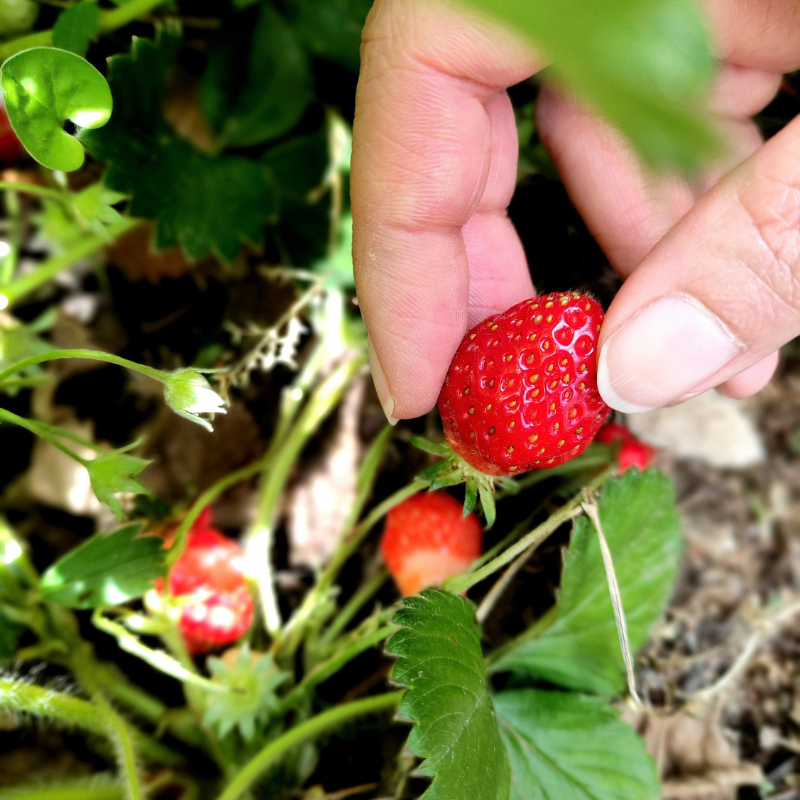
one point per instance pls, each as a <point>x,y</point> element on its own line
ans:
<point>426,133</point>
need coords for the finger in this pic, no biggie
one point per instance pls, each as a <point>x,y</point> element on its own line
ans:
<point>716,295</point>
<point>627,207</point>
<point>429,138</point>
<point>756,34</point>
<point>498,272</point>
<point>753,379</point>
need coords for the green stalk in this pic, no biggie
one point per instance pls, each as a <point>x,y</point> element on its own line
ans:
<point>33,188</point>
<point>34,427</point>
<point>261,533</point>
<point>109,21</point>
<point>64,708</point>
<point>25,284</point>
<point>353,606</point>
<point>460,583</point>
<point>92,355</point>
<point>304,732</point>
<point>328,668</point>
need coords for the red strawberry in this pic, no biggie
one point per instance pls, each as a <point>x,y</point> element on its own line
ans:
<point>521,392</point>
<point>208,580</point>
<point>10,148</point>
<point>632,451</point>
<point>428,539</point>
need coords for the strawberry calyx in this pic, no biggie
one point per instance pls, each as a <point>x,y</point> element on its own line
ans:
<point>453,470</point>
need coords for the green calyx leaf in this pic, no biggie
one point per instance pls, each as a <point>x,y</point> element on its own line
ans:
<point>189,394</point>
<point>107,569</point>
<point>76,27</point>
<point>42,88</point>
<point>115,472</point>
<point>453,470</point>
<point>563,746</point>
<point>576,644</point>
<point>456,729</point>
<point>203,203</point>
<point>254,679</point>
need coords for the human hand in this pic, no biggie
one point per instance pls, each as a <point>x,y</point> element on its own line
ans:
<point>712,268</point>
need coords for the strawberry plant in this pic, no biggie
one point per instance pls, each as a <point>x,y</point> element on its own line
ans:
<point>180,342</point>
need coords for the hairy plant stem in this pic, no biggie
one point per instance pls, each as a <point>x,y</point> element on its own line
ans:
<point>13,292</point>
<point>304,732</point>
<point>572,508</point>
<point>70,789</point>
<point>120,734</point>
<point>69,710</point>
<point>41,431</point>
<point>109,21</point>
<point>33,188</point>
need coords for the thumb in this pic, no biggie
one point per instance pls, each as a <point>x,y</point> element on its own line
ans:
<point>717,295</point>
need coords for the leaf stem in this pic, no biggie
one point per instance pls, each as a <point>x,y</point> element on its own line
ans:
<point>304,732</point>
<point>121,736</point>
<point>35,428</point>
<point>326,669</point>
<point>33,188</point>
<point>92,355</point>
<point>572,508</point>
<point>11,293</point>
<point>260,536</point>
<point>352,607</point>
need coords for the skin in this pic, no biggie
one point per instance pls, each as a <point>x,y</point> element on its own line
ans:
<point>433,171</point>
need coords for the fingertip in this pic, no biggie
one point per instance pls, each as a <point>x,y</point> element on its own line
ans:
<point>753,379</point>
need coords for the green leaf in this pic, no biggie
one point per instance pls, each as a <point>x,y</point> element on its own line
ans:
<point>76,27</point>
<point>203,203</point>
<point>10,632</point>
<point>42,88</point>
<point>564,746</point>
<point>252,99</point>
<point>643,64</point>
<point>579,648</point>
<point>107,569</point>
<point>330,28</point>
<point>116,472</point>
<point>448,699</point>
<point>18,342</point>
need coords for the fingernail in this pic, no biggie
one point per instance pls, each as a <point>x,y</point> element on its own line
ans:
<point>667,350</point>
<point>381,386</point>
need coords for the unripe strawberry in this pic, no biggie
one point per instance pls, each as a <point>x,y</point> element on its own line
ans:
<point>521,391</point>
<point>632,452</point>
<point>209,583</point>
<point>428,539</point>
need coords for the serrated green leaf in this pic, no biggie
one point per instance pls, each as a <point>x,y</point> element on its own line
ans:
<point>564,746</point>
<point>43,87</point>
<point>18,342</point>
<point>76,27</point>
<point>456,729</point>
<point>205,204</point>
<point>330,28</point>
<point>579,649</point>
<point>643,64</point>
<point>107,569</point>
<point>115,472</point>
<point>252,99</point>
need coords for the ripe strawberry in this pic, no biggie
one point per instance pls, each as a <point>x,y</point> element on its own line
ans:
<point>10,148</point>
<point>521,392</point>
<point>428,539</point>
<point>632,451</point>
<point>208,580</point>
